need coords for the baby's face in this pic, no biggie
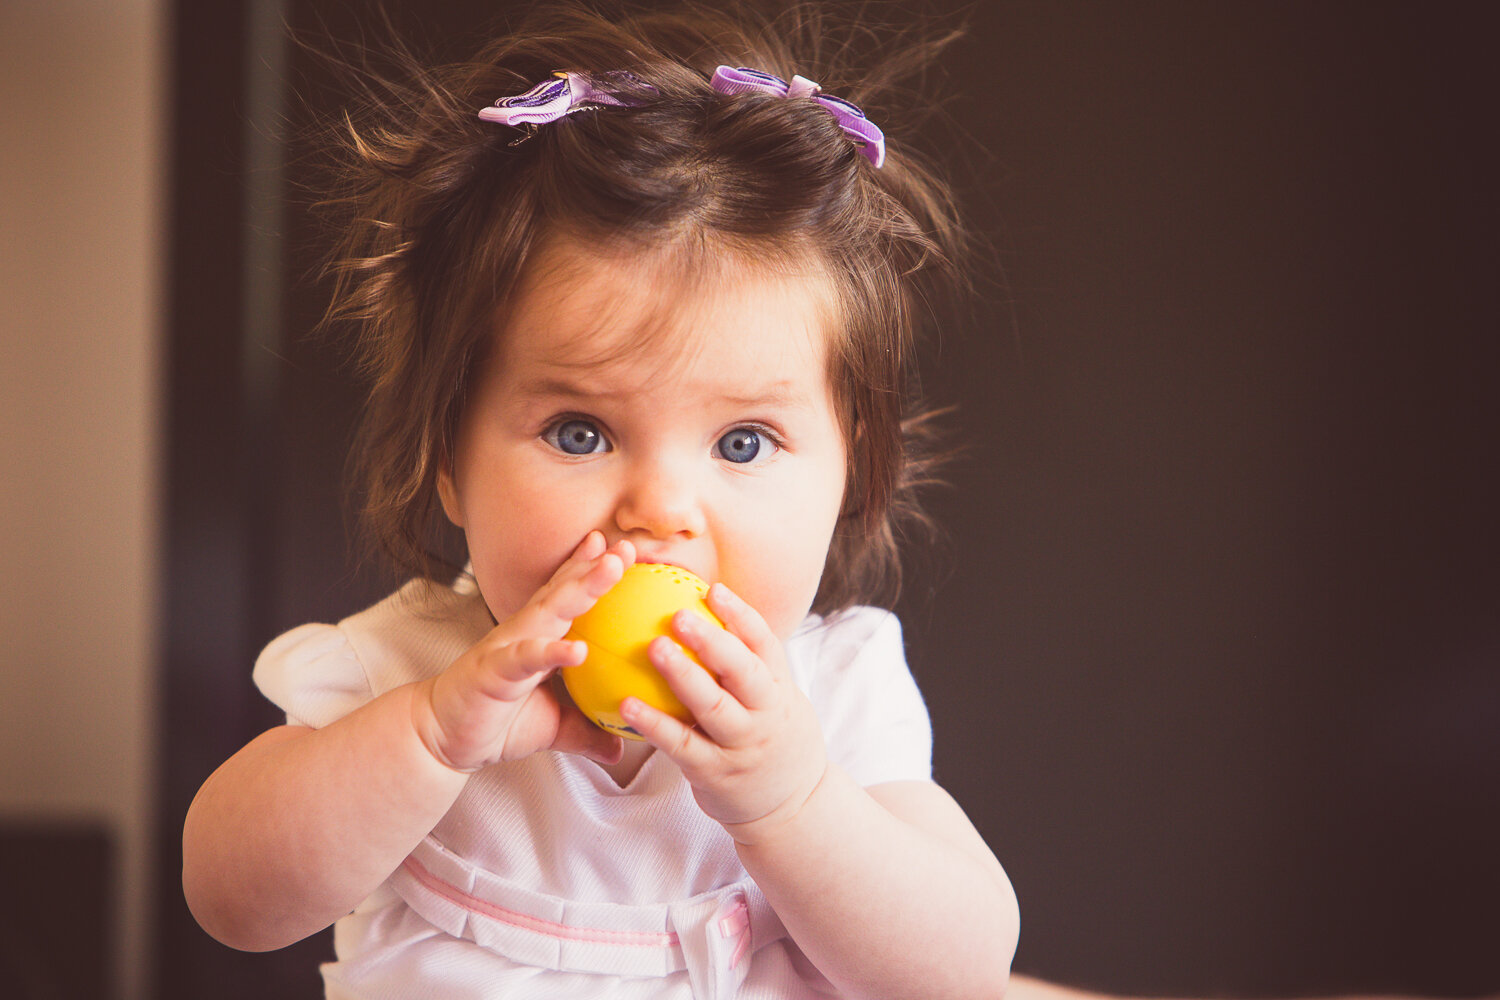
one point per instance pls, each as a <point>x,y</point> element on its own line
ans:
<point>693,418</point>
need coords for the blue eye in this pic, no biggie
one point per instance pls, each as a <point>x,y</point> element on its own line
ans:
<point>575,437</point>
<point>740,445</point>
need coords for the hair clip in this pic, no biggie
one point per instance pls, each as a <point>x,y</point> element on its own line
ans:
<point>562,95</point>
<point>728,80</point>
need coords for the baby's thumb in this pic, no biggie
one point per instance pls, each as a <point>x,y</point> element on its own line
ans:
<point>576,734</point>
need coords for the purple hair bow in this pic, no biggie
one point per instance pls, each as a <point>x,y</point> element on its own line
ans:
<point>728,80</point>
<point>566,93</point>
<point>562,95</point>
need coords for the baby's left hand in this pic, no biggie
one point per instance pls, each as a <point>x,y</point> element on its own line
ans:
<point>757,752</point>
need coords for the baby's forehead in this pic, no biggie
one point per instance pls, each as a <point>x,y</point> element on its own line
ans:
<point>590,306</point>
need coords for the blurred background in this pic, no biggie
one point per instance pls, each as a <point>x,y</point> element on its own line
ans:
<point>1212,649</point>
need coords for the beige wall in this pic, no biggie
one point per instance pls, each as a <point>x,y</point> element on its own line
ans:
<point>82,158</point>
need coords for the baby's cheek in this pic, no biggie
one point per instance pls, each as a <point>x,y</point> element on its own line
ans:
<point>783,607</point>
<point>508,584</point>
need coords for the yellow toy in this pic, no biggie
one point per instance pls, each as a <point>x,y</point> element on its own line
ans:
<point>618,628</point>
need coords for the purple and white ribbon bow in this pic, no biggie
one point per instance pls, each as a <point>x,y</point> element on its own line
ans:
<point>562,95</point>
<point>728,80</point>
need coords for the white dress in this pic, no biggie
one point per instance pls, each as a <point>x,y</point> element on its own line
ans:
<point>546,878</point>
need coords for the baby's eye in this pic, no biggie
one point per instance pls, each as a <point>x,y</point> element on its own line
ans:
<point>575,437</point>
<point>742,445</point>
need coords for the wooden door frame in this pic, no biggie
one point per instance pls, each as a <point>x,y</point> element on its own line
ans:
<point>224,305</point>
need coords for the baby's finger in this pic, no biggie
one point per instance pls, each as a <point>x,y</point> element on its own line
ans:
<point>739,670</point>
<point>591,547</point>
<point>718,713</point>
<point>684,744</point>
<point>574,588</point>
<point>580,560</point>
<point>584,558</point>
<point>746,623</point>
<point>511,671</point>
<point>576,734</point>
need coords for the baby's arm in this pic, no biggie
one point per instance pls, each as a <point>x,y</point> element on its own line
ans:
<point>890,891</point>
<point>294,830</point>
<point>300,825</point>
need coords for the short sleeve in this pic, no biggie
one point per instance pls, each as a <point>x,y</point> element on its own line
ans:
<point>853,668</point>
<point>312,674</point>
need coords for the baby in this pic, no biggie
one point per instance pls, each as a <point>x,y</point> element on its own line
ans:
<point>657,306</point>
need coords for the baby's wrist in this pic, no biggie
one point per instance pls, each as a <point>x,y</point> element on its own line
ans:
<point>757,832</point>
<point>428,730</point>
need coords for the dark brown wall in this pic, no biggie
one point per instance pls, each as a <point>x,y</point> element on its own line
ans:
<point>1218,663</point>
<point>1213,651</point>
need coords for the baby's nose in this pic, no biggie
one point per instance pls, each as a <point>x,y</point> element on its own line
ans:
<point>661,500</point>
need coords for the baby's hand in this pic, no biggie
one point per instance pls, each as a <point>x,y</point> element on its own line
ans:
<point>757,752</point>
<point>491,704</point>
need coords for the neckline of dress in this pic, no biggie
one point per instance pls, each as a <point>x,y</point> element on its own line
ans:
<point>637,780</point>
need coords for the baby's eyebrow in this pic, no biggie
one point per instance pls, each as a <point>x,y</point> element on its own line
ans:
<point>776,395</point>
<point>553,386</point>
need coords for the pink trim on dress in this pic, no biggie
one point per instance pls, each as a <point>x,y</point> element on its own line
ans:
<point>452,893</point>
<point>736,925</point>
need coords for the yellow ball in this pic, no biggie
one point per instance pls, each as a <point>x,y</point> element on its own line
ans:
<point>618,628</point>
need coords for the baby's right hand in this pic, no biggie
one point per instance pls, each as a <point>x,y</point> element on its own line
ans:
<point>491,704</point>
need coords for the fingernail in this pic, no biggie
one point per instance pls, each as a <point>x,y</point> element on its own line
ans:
<point>583,545</point>
<point>660,651</point>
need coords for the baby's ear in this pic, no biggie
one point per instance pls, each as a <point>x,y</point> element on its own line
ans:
<point>448,493</point>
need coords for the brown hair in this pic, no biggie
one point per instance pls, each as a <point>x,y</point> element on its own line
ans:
<point>444,211</point>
